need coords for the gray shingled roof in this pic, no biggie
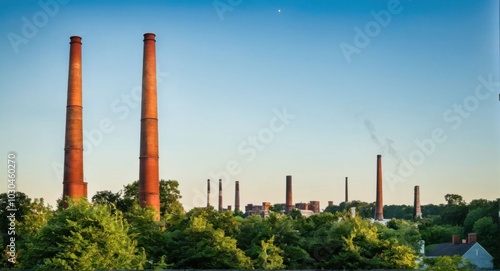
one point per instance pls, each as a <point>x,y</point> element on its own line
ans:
<point>449,249</point>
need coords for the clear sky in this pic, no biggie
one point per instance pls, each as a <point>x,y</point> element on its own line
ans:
<point>252,91</point>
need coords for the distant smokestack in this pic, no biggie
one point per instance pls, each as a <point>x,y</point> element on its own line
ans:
<point>73,184</point>
<point>208,193</point>
<point>220,195</point>
<point>229,207</point>
<point>379,205</point>
<point>417,212</point>
<point>149,177</point>
<point>346,190</point>
<point>330,203</point>
<point>237,196</point>
<point>289,201</point>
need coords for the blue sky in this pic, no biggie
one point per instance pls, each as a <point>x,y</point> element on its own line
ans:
<point>419,86</point>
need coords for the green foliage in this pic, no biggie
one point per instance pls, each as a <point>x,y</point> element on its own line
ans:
<point>86,236</point>
<point>430,210</point>
<point>439,234</point>
<point>225,221</point>
<point>398,211</point>
<point>472,217</point>
<point>364,209</point>
<point>200,246</point>
<point>282,229</point>
<point>148,233</point>
<point>269,256</point>
<point>124,200</point>
<point>276,208</point>
<point>404,231</point>
<point>447,263</point>
<point>455,210</point>
<point>488,234</point>
<point>82,237</point>
<point>21,204</point>
<point>35,219</point>
<point>355,243</point>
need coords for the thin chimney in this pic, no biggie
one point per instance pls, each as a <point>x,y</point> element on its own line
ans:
<point>73,184</point>
<point>417,212</point>
<point>208,193</point>
<point>346,190</point>
<point>220,195</point>
<point>237,196</point>
<point>149,186</point>
<point>455,239</point>
<point>289,202</point>
<point>379,205</point>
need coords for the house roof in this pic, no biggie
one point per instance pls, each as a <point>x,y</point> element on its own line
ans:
<point>449,249</point>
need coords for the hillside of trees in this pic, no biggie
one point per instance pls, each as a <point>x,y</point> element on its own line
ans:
<point>114,232</point>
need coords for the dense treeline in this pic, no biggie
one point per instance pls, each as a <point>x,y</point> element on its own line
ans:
<point>442,221</point>
<point>113,232</point>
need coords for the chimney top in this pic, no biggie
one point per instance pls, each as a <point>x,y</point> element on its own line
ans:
<point>75,39</point>
<point>149,36</point>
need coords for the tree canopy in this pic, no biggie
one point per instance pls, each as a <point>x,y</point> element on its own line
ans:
<point>114,232</point>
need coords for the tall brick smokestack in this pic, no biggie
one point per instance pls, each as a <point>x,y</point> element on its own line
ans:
<point>379,205</point>
<point>346,190</point>
<point>237,196</point>
<point>417,212</point>
<point>73,184</point>
<point>149,180</point>
<point>220,195</point>
<point>289,202</point>
<point>208,193</point>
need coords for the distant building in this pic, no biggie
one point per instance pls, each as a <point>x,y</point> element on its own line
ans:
<point>306,209</point>
<point>468,249</point>
<point>312,206</point>
<point>263,210</point>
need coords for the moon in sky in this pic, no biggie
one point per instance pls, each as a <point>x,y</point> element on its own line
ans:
<point>279,10</point>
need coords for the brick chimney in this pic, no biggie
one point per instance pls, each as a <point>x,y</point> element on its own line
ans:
<point>237,196</point>
<point>417,212</point>
<point>149,180</point>
<point>208,193</point>
<point>379,204</point>
<point>455,239</point>
<point>472,238</point>
<point>289,201</point>
<point>330,203</point>
<point>220,195</point>
<point>73,184</point>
